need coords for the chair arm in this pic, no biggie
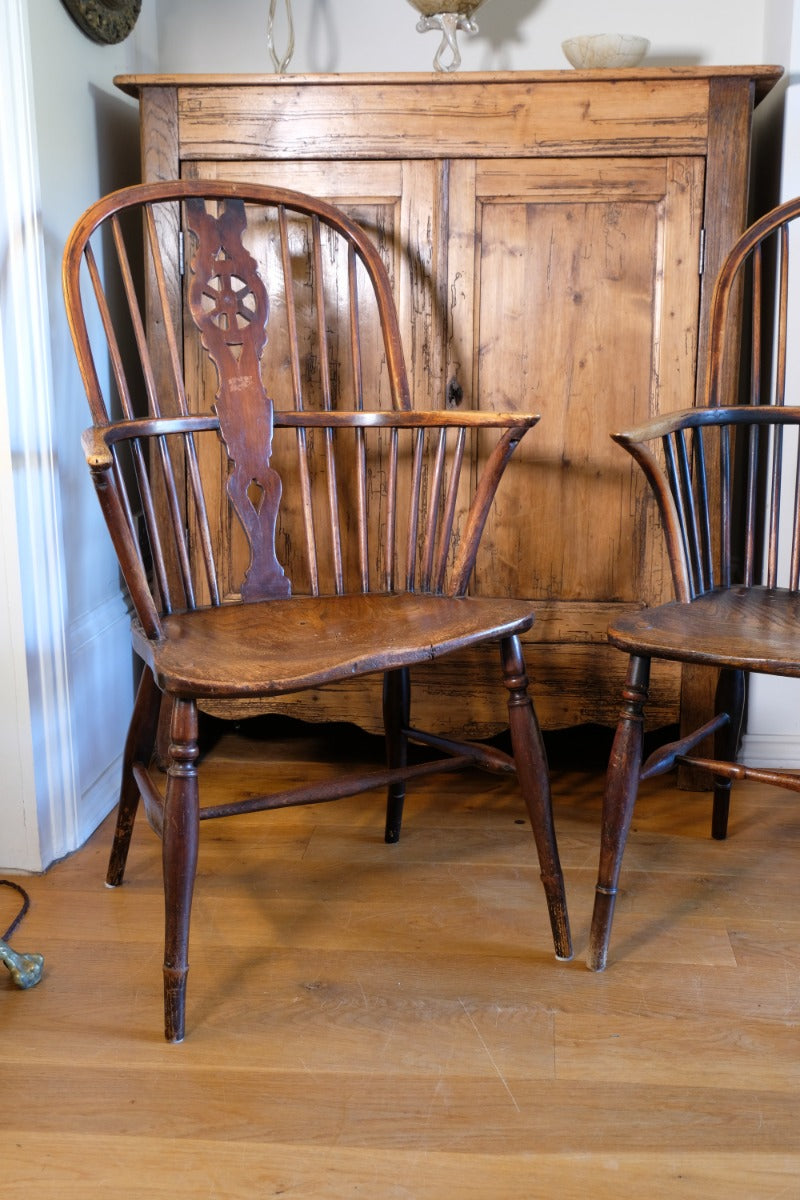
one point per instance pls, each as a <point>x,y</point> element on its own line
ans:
<point>485,491</point>
<point>404,419</point>
<point>100,460</point>
<point>96,450</point>
<point>694,494</point>
<point>694,418</point>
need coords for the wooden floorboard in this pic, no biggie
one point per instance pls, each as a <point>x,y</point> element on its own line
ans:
<point>372,1021</point>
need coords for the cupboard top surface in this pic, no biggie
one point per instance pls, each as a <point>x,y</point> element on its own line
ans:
<point>765,76</point>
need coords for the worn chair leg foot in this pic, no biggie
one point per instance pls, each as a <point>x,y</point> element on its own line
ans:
<point>179,855</point>
<point>396,713</point>
<point>534,779</point>
<point>622,784</point>
<point>559,917</point>
<point>602,917</point>
<point>174,1004</point>
<point>138,748</point>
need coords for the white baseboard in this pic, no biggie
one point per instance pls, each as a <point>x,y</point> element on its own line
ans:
<point>771,750</point>
<point>98,801</point>
<point>101,690</point>
<point>108,619</point>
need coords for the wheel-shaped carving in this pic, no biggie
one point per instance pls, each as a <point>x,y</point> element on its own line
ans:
<point>227,296</point>
<point>231,304</point>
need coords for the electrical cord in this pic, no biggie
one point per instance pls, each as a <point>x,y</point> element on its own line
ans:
<point>26,903</point>
<point>26,969</point>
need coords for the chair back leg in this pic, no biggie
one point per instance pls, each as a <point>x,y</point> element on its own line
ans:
<point>396,715</point>
<point>730,698</point>
<point>622,785</point>
<point>534,778</point>
<point>139,747</point>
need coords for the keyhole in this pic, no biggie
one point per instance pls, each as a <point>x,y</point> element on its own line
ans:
<point>255,494</point>
<point>455,393</point>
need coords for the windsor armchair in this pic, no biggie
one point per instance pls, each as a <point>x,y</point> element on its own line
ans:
<point>311,528</point>
<point>725,479</point>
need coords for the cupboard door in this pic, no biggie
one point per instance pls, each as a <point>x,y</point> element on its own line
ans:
<point>579,301</point>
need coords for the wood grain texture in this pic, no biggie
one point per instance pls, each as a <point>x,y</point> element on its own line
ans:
<point>399,1033</point>
<point>571,683</point>
<point>553,118</point>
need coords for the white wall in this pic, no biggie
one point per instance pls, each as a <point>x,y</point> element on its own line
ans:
<point>380,35</point>
<point>773,725</point>
<point>63,637</point>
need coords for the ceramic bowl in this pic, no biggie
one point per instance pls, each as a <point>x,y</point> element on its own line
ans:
<point>605,50</point>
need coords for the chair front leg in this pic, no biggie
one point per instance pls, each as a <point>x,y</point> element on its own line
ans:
<point>534,778</point>
<point>622,785</point>
<point>730,698</point>
<point>139,746</point>
<point>179,855</point>
<point>396,713</point>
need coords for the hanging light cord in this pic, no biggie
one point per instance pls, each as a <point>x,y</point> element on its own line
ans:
<point>280,63</point>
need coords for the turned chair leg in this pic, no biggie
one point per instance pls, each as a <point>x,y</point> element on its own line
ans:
<point>139,746</point>
<point>179,854</point>
<point>396,712</point>
<point>622,785</point>
<point>534,778</point>
<point>730,698</point>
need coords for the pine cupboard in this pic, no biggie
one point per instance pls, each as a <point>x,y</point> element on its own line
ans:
<point>552,239</point>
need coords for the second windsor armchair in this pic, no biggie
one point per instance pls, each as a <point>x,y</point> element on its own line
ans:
<point>726,479</point>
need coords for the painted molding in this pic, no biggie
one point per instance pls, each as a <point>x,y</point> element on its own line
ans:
<point>771,750</point>
<point>99,799</point>
<point>100,656</point>
<point>101,621</point>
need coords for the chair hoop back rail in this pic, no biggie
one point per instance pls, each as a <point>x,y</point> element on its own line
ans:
<point>309,527</point>
<point>726,481</point>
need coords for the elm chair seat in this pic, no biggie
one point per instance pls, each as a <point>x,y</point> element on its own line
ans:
<point>254,649</point>
<point>760,627</point>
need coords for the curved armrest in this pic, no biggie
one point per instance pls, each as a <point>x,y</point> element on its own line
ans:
<point>485,491</point>
<point>96,450</point>
<point>710,472</point>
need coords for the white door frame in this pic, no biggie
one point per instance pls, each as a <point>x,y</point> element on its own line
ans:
<point>38,792</point>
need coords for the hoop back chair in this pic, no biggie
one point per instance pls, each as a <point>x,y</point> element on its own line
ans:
<point>308,527</point>
<point>726,481</point>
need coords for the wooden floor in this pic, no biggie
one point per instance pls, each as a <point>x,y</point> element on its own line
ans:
<point>381,1022</point>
